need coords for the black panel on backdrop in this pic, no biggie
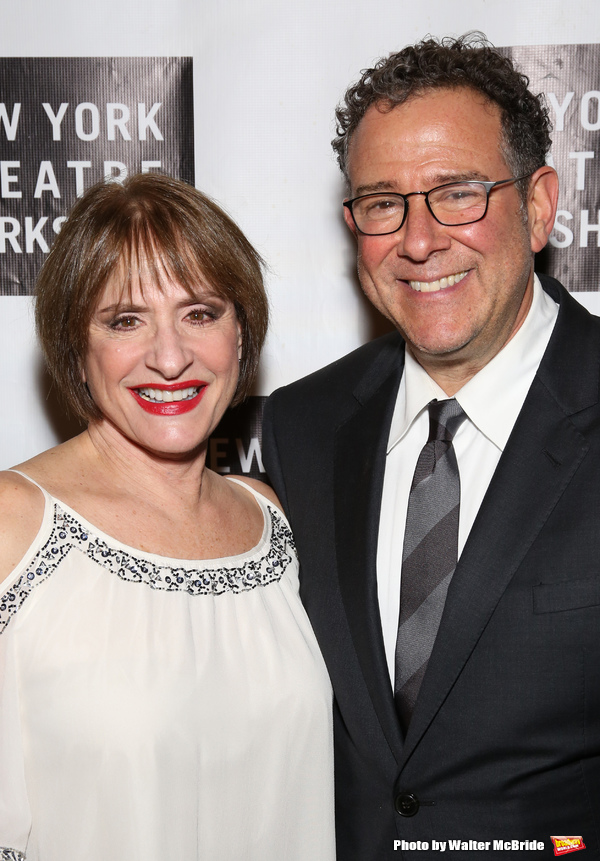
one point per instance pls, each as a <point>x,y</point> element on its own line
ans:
<point>65,123</point>
<point>235,446</point>
<point>569,76</point>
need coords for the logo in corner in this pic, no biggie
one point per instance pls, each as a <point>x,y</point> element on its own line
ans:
<point>562,845</point>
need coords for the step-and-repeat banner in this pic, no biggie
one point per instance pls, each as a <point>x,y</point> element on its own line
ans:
<point>67,123</point>
<point>242,103</point>
<point>569,77</point>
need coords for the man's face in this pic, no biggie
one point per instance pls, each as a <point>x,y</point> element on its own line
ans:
<point>439,137</point>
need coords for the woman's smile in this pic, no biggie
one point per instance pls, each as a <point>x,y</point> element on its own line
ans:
<point>169,400</point>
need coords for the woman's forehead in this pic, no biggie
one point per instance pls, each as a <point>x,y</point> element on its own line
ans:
<point>137,277</point>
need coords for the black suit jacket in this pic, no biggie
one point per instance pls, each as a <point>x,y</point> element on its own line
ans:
<point>504,743</point>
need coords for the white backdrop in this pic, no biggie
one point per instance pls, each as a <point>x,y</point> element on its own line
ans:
<point>267,76</point>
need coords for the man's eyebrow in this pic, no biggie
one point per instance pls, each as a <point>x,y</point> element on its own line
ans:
<point>438,179</point>
<point>374,187</point>
<point>462,176</point>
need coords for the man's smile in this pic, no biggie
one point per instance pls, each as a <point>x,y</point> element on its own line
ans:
<point>440,284</point>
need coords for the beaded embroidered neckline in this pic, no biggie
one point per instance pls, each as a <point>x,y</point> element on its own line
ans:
<point>209,579</point>
<point>11,854</point>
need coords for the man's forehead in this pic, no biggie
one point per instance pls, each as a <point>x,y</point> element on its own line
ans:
<point>436,103</point>
<point>451,128</point>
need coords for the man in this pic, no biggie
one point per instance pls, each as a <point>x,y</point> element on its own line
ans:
<point>467,704</point>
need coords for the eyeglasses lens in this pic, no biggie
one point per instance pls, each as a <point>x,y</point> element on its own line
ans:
<point>456,203</point>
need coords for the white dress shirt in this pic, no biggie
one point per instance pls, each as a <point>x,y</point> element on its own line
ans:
<point>492,400</point>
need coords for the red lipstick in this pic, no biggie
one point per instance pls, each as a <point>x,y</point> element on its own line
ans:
<point>169,408</point>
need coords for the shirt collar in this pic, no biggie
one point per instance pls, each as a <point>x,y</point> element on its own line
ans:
<point>493,398</point>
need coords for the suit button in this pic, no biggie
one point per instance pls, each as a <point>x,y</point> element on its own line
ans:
<point>406,803</point>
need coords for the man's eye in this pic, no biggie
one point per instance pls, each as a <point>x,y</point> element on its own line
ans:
<point>382,206</point>
<point>461,194</point>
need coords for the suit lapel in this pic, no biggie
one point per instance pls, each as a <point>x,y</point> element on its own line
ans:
<point>359,470</point>
<point>540,459</point>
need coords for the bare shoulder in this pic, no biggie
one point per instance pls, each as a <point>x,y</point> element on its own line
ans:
<point>261,487</point>
<point>19,497</point>
<point>21,513</point>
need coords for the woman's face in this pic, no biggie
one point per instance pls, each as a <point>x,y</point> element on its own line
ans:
<point>162,366</point>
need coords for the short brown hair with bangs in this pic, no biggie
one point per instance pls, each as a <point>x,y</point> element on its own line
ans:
<point>178,230</point>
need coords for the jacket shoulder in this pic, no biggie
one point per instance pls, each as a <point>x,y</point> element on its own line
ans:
<point>342,377</point>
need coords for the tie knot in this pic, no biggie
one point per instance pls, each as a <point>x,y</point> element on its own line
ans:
<point>445,418</point>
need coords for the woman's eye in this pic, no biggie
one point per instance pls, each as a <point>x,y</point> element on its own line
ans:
<point>124,322</point>
<point>200,315</point>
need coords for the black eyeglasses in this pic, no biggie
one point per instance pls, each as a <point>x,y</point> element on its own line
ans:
<point>452,204</point>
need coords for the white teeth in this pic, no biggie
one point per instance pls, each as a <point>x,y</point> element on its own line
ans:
<point>434,286</point>
<point>166,396</point>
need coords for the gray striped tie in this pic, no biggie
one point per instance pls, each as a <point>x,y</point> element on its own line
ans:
<point>430,552</point>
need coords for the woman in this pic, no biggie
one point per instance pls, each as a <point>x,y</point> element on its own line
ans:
<point>161,692</point>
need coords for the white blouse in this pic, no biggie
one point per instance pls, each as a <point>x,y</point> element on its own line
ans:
<point>157,709</point>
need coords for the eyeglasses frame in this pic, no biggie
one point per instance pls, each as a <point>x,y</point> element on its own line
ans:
<point>485,183</point>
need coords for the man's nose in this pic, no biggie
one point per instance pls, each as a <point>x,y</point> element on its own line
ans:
<point>421,235</point>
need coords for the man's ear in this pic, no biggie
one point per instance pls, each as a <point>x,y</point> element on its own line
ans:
<point>542,201</point>
<point>350,221</point>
